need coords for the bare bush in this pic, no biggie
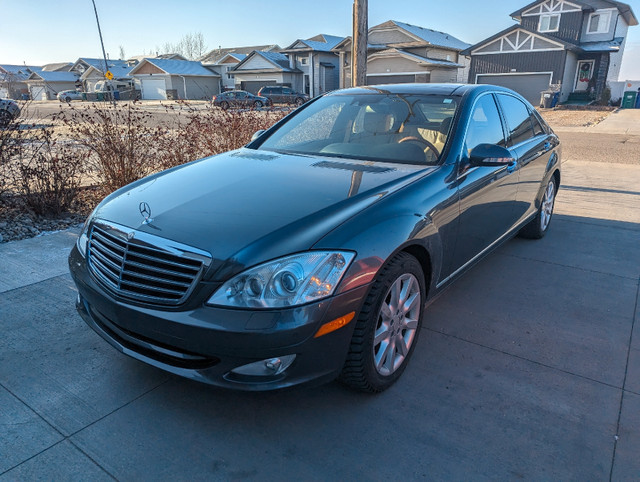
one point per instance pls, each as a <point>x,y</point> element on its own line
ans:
<point>209,132</point>
<point>121,139</point>
<point>48,173</point>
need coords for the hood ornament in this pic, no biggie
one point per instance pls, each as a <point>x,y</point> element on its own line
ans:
<point>145,211</point>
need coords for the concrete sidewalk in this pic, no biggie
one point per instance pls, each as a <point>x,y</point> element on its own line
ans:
<point>528,367</point>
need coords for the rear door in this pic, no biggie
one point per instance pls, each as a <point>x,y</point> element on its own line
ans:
<point>487,194</point>
<point>532,146</point>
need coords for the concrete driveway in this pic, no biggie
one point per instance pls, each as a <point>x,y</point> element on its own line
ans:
<point>528,367</point>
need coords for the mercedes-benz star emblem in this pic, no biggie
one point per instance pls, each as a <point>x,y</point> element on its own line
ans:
<point>145,210</point>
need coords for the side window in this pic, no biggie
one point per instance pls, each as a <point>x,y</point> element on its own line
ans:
<point>485,126</point>
<point>286,91</point>
<point>518,119</point>
<point>537,126</point>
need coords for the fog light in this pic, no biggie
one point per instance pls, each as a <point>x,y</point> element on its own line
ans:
<point>266,368</point>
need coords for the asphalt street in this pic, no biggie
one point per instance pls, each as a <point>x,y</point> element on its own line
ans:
<point>528,367</point>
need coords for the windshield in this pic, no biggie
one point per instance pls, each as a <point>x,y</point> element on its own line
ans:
<point>386,127</point>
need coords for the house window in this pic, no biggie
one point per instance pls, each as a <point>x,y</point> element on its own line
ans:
<point>549,23</point>
<point>304,60</point>
<point>599,22</point>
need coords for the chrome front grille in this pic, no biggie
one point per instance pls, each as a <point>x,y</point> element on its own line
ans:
<point>143,267</point>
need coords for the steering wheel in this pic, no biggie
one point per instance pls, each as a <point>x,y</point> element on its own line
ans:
<point>424,142</point>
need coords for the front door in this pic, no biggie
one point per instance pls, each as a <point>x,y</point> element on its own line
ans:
<point>585,72</point>
<point>487,194</point>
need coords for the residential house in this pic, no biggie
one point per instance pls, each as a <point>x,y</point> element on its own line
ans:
<point>92,71</point>
<point>319,64</point>
<point>266,68</point>
<point>402,53</point>
<point>45,85</point>
<point>224,66</point>
<point>223,61</point>
<point>175,79</point>
<point>575,46</point>
<point>13,79</point>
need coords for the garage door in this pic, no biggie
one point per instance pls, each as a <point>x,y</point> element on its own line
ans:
<point>528,85</point>
<point>390,79</point>
<point>154,89</point>
<point>254,86</point>
<point>38,93</point>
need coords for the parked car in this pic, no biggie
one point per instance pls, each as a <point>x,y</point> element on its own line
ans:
<point>69,95</point>
<point>238,98</point>
<point>278,94</point>
<point>309,254</point>
<point>9,110</point>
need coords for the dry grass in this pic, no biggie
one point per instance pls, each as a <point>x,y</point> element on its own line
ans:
<point>574,118</point>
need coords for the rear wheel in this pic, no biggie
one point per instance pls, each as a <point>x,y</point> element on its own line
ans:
<point>387,329</point>
<point>539,225</point>
<point>299,101</point>
<point>224,105</point>
<point>257,104</point>
<point>5,118</point>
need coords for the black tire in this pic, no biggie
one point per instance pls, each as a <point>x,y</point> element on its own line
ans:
<point>360,371</point>
<point>224,105</point>
<point>538,226</point>
<point>5,118</point>
<point>67,100</point>
<point>257,104</point>
<point>299,101</point>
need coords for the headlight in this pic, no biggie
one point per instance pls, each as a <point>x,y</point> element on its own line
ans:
<point>83,239</point>
<point>290,281</point>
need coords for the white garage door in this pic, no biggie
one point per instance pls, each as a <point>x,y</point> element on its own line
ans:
<point>38,93</point>
<point>154,89</point>
<point>528,85</point>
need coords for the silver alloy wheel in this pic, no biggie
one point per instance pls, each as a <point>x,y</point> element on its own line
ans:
<point>546,210</point>
<point>397,324</point>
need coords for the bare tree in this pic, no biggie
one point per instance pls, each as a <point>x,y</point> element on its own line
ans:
<point>122,56</point>
<point>191,46</point>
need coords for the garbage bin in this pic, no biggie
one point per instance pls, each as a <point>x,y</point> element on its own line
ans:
<point>556,99</point>
<point>116,95</point>
<point>84,96</point>
<point>546,99</point>
<point>100,96</point>
<point>629,100</point>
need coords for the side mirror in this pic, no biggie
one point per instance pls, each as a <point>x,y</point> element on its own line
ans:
<point>257,134</point>
<point>490,155</point>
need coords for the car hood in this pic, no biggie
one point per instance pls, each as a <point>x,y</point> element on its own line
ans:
<point>249,206</point>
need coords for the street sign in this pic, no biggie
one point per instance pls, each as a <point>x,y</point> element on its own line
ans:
<point>109,75</point>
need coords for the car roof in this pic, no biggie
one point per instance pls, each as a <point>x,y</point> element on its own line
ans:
<point>433,89</point>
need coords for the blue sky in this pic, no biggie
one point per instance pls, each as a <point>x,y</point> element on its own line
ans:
<point>40,31</point>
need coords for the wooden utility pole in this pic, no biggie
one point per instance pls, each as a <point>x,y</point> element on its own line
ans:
<point>359,43</point>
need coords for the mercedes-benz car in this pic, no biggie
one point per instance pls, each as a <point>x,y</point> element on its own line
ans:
<point>311,253</point>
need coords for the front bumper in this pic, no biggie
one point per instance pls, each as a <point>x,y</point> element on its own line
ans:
<point>206,343</point>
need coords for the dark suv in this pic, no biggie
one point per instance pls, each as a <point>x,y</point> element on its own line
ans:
<point>279,94</point>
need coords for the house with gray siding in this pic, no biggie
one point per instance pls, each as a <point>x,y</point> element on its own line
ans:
<point>175,79</point>
<point>224,60</point>
<point>319,64</point>
<point>399,52</point>
<point>266,68</point>
<point>574,47</point>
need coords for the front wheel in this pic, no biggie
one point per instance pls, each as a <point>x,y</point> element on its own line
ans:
<point>224,105</point>
<point>257,104</point>
<point>539,225</point>
<point>299,101</point>
<point>67,100</point>
<point>387,328</point>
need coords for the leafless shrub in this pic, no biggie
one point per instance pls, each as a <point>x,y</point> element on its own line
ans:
<point>48,173</point>
<point>121,139</point>
<point>209,132</point>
